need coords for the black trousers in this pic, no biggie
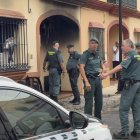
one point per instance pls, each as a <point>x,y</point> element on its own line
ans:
<point>94,97</point>
<point>73,77</point>
<point>115,75</point>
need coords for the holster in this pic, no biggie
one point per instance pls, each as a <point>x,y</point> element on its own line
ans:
<point>126,84</point>
<point>130,82</point>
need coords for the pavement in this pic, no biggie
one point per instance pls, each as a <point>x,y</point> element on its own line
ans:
<point>110,114</point>
<point>109,91</point>
<point>110,100</point>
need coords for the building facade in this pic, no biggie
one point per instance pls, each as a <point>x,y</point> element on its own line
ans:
<point>28,27</point>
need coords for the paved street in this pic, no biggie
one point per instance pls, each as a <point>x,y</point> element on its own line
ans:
<point>110,113</point>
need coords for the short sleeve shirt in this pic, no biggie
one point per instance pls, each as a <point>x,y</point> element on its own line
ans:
<point>73,60</point>
<point>60,56</point>
<point>91,61</point>
<point>131,66</point>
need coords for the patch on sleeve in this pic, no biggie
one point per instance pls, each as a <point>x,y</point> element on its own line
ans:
<point>137,57</point>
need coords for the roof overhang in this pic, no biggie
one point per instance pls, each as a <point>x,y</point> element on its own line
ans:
<point>111,8</point>
<point>72,2</point>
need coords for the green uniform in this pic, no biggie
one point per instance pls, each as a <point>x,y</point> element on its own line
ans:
<point>73,60</point>
<point>73,72</point>
<point>92,68</point>
<point>54,58</point>
<point>130,97</point>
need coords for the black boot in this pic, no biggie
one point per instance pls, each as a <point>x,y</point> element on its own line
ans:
<point>135,134</point>
<point>76,102</point>
<point>72,101</point>
<point>121,135</point>
<point>54,98</point>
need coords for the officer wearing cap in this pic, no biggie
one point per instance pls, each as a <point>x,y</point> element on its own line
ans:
<point>138,48</point>
<point>90,64</point>
<point>130,95</point>
<point>55,68</point>
<point>73,72</point>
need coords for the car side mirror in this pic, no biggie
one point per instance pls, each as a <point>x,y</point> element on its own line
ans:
<point>67,124</point>
<point>77,120</point>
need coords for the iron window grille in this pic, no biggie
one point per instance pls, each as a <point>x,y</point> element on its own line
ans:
<point>99,34</point>
<point>13,44</point>
<point>127,3</point>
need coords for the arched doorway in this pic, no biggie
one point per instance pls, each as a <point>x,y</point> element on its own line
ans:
<point>113,36</point>
<point>63,28</point>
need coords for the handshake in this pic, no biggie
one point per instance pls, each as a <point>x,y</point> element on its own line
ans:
<point>103,75</point>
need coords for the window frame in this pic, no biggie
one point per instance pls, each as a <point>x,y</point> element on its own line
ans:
<point>13,44</point>
<point>126,3</point>
<point>102,47</point>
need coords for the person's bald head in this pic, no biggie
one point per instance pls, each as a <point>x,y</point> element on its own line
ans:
<point>129,43</point>
<point>127,46</point>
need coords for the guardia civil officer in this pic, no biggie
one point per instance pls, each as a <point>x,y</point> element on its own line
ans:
<point>55,68</point>
<point>130,95</point>
<point>90,64</point>
<point>73,72</point>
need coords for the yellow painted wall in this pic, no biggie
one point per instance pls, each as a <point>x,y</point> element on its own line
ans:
<point>22,7</point>
<point>138,5</point>
<point>75,12</point>
<point>104,18</point>
<point>38,8</point>
<point>89,15</point>
<point>84,16</point>
<point>103,0</point>
<point>133,23</point>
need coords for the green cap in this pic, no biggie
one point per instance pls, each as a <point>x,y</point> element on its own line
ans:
<point>94,39</point>
<point>137,45</point>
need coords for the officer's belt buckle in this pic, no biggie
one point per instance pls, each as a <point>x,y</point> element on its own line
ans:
<point>92,75</point>
<point>96,74</point>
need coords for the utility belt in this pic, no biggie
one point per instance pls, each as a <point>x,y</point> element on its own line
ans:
<point>131,81</point>
<point>128,82</point>
<point>73,70</point>
<point>95,75</point>
<point>58,69</point>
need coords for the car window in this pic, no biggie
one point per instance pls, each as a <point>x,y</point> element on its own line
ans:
<point>28,114</point>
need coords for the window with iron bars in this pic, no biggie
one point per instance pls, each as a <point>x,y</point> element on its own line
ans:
<point>99,34</point>
<point>13,44</point>
<point>127,3</point>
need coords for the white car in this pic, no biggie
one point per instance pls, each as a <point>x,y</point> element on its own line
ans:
<point>27,114</point>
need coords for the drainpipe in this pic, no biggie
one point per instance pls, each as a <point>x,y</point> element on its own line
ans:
<point>29,9</point>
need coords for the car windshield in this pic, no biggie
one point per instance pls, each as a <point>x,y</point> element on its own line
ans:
<point>28,115</point>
